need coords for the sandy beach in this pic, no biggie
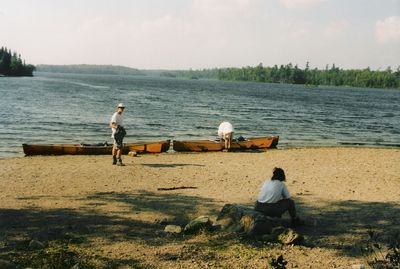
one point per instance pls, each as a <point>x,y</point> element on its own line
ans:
<point>115,216</point>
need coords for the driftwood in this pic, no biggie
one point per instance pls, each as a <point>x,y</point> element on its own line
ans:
<point>175,188</point>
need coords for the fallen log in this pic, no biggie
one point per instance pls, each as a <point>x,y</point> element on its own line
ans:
<point>175,188</point>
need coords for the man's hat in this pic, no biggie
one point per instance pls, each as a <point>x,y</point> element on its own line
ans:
<point>121,105</point>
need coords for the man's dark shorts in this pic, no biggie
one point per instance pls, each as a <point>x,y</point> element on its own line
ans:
<point>118,143</point>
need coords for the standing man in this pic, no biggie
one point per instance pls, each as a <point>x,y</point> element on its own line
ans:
<point>117,134</point>
<point>225,131</point>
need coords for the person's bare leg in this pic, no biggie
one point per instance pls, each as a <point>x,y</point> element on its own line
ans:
<point>228,140</point>
<point>119,153</point>
<point>114,154</point>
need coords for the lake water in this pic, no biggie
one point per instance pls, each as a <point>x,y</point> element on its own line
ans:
<point>73,108</point>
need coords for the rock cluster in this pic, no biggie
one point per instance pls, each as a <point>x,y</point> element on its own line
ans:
<point>201,223</point>
<point>244,220</point>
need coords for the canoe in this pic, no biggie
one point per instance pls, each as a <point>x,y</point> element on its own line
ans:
<point>82,149</point>
<point>209,145</point>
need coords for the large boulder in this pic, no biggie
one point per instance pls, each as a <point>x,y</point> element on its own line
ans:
<point>239,218</point>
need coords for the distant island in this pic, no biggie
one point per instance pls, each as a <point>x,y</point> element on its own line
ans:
<point>289,74</point>
<point>333,75</point>
<point>11,64</point>
<point>90,69</point>
<point>123,70</point>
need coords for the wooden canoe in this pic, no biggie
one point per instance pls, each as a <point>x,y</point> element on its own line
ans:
<point>208,145</point>
<point>78,149</point>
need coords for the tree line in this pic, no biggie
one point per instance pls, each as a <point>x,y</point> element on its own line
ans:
<point>11,64</point>
<point>90,69</point>
<point>329,76</point>
<point>191,74</point>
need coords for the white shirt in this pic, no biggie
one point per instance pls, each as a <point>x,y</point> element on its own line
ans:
<point>225,128</point>
<point>117,118</point>
<point>272,191</point>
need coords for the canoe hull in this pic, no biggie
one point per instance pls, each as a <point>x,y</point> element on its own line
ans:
<point>208,145</point>
<point>77,149</point>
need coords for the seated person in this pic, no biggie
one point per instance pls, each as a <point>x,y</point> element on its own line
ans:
<point>274,198</point>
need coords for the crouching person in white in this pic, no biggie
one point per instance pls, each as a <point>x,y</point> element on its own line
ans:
<point>225,132</point>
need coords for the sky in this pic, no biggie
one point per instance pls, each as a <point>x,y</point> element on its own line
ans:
<point>183,34</point>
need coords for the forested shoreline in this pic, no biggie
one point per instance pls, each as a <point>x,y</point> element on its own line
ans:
<point>90,69</point>
<point>290,74</point>
<point>333,75</point>
<point>11,64</point>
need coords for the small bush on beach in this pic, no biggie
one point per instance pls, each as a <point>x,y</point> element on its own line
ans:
<point>380,256</point>
<point>278,263</point>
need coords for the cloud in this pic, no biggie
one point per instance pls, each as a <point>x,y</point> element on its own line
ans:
<point>388,30</point>
<point>209,31</point>
<point>226,11</point>
<point>291,28</point>
<point>301,3</point>
<point>222,7</point>
<point>336,28</point>
<point>299,33</point>
<point>91,24</point>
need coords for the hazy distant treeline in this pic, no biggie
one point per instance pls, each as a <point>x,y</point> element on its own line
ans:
<point>283,74</point>
<point>11,64</point>
<point>90,69</point>
<point>123,70</point>
<point>329,76</point>
<point>192,74</point>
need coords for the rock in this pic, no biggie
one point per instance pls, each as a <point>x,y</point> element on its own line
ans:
<point>283,235</point>
<point>216,227</point>
<point>73,238</point>
<point>4,264</point>
<point>271,238</point>
<point>34,244</point>
<point>239,218</point>
<point>200,223</point>
<point>290,237</point>
<point>278,230</point>
<point>132,153</point>
<point>358,266</point>
<point>175,229</point>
